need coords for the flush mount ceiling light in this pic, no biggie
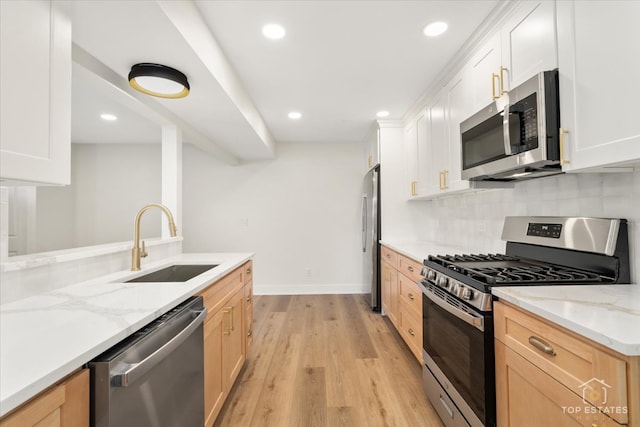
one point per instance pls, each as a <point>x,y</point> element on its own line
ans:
<point>158,80</point>
<point>294,115</point>
<point>108,117</point>
<point>435,29</point>
<point>273,31</point>
<point>382,114</point>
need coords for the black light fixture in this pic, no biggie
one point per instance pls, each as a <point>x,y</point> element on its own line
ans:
<point>158,80</point>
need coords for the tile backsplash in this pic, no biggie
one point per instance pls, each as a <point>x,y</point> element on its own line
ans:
<point>474,220</point>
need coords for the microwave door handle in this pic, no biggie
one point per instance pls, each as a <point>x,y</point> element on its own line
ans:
<point>505,130</point>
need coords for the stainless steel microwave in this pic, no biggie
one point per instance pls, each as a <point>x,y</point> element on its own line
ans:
<point>516,137</point>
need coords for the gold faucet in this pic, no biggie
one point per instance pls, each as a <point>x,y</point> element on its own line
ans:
<point>140,252</point>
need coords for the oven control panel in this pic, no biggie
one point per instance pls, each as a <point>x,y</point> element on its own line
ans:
<point>552,231</point>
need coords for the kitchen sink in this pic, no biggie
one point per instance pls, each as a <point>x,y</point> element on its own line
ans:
<point>174,273</point>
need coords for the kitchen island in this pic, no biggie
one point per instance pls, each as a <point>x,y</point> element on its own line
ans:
<point>46,337</point>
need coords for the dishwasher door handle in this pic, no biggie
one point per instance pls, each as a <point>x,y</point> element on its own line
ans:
<point>137,370</point>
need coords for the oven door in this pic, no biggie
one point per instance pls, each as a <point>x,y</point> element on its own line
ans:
<point>458,350</point>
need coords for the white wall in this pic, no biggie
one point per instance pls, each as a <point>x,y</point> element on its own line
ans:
<point>474,221</point>
<point>109,185</point>
<point>299,213</point>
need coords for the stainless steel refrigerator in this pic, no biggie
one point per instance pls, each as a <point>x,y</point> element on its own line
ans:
<point>371,237</point>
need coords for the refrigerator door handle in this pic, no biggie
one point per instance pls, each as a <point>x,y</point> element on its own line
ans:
<point>364,222</point>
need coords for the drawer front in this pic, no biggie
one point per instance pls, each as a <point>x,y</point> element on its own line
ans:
<point>389,256</point>
<point>247,271</point>
<point>410,294</point>
<point>409,268</point>
<point>216,295</point>
<point>596,376</point>
<point>410,328</point>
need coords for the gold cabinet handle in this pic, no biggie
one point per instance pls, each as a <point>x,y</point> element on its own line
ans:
<point>444,175</point>
<point>411,332</point>
<point>250,333</point>
<point>493,85</point>
<point>410,295</point>
<point>410,269</point>
<point>229,310</point>
<point>248,270</point>
<point>388,256</point>
<point>248,299</point>
<point>413,188</point>
<point>541,345</point>
<point>370,160</point>
<point>440,180</point>
<point>502,70</point>
<point>563,160</point>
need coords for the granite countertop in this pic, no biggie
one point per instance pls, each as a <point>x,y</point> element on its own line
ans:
<point>606,314</point>
<point>46,337</point>
<point>420,250</point>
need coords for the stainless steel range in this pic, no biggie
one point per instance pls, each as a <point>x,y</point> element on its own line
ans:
<point>458,371</point>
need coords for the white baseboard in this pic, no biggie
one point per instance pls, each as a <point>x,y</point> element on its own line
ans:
<point>309,289</point>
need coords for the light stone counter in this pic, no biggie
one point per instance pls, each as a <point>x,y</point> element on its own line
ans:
<point>606,314</point>
<point>43,338</point>
<point>419,250</point>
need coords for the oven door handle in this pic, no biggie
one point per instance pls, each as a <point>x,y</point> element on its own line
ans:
<point>476,322</point>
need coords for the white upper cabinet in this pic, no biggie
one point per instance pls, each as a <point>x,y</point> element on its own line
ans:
<point>599,63</point>
<point>417,154</point>
<point>523,46</point>
<point>485,74</point>
<point>528,43</point>
<point>437,162</point>
<point>35,82</point>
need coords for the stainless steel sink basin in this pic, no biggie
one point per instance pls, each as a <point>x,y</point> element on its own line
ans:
<point>174,273</point>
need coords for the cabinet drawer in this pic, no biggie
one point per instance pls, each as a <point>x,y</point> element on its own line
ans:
<point>591,373</point>
<point>410,328</point>
<point>410,294</point>
<point>389,256</point>
<point>216,295</point>
<point>247,272</point>
<point>409,268</point>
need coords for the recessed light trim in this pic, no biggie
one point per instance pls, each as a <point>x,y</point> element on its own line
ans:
<point>294,115</point>
<point>382,114</point>
<point>108,117</point>
<point>273,31</point>
<point>435,29</point>
<point>159,80</point>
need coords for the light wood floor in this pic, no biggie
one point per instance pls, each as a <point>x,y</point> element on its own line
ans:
<point>326,360</point>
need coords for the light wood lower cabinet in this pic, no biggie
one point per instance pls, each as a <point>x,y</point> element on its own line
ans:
<point>402,297</point>
<point>63,405</point>
<point>225,336</point>
<point>547,375</point>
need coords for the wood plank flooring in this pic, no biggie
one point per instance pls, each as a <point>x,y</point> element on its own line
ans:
<point>326,360</point>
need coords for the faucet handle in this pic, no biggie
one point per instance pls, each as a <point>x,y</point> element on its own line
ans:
<point>143,251</point>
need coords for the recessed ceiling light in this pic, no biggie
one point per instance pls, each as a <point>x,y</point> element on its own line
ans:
<point>294,115</point>
<point>108,117</point>
<point>273,31</point>
<point>382,114</point>
<point>435,29</point>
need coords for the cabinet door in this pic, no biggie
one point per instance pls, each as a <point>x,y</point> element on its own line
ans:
<point>418,153</point>
<point>484,64</point>
<point>528,43</point>
<point>35,82</point>
<point>372,147</point>
<point>527,396</point>
<point>233,339</point>
<point>214,391</point>
<point>599,88</point>
<point>411,153</point>
<point>389,287</point>
<point>458,109</point>
<point>437,161</point>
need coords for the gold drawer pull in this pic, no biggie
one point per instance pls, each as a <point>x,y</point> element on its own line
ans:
<point>411,332</point>
<point>388,256</point>
<point>410,269</point>
<point>541,345</point>
<point>410,295</point>
<point>250,333</point>
<point>248,299</point>
<point>249,270</point>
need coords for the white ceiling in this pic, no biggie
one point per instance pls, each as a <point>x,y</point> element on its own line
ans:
<point>339,63</point>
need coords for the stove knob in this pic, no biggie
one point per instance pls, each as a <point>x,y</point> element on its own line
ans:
<point>467,294</point>
<point>431,276</point>
<point>443,282</point>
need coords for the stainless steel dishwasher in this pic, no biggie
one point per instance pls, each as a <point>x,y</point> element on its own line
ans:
<point>155,377</point>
